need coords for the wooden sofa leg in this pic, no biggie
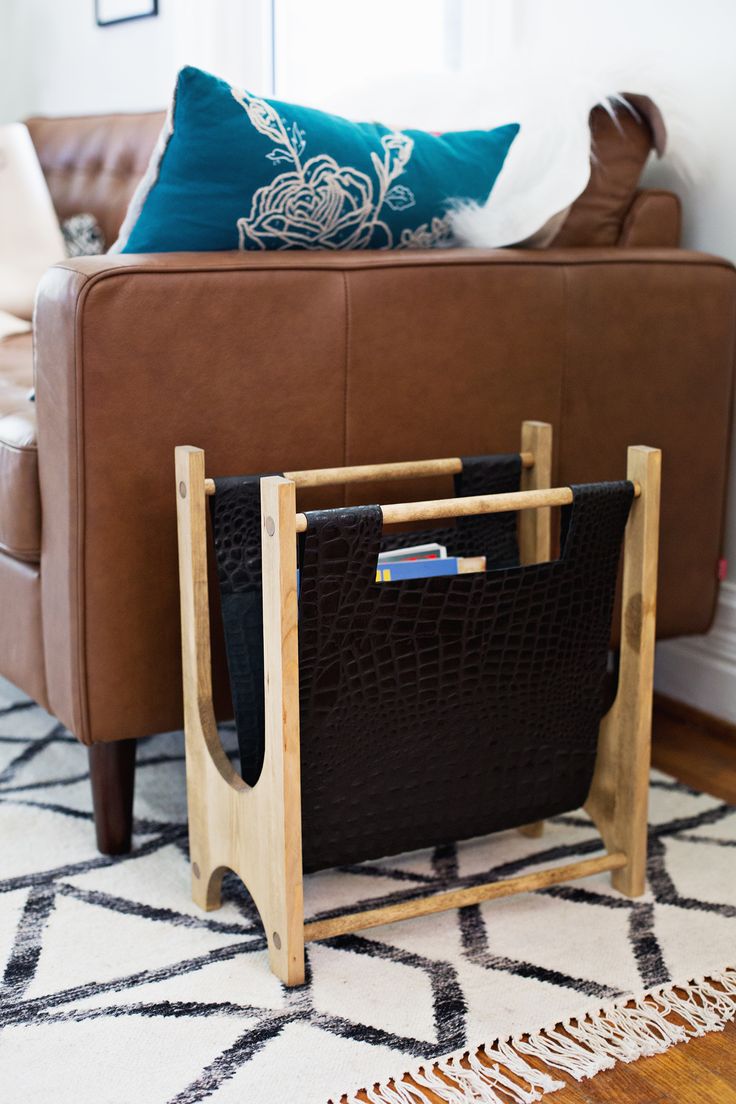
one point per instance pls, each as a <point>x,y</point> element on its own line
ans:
<point>112,773</point>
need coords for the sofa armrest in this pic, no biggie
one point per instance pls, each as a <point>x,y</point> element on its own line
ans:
<point>301,360</point>
<point>653,221</point>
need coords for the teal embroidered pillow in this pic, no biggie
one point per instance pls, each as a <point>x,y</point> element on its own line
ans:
<point>235,171</point>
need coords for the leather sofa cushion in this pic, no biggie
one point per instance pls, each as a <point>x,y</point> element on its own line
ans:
<point>653,219</point>
<point>21,635</point>
<point>20,496</point>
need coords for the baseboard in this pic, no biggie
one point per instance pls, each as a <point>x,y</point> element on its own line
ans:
<point>695,719</point>
<point>701,670</point>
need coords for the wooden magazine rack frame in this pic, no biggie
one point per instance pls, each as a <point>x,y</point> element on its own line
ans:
<point>256,831</point>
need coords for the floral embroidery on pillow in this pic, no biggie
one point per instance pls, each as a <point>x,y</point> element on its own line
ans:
<point>318,204</point>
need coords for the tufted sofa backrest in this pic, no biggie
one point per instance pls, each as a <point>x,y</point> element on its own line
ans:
<point>93,163</point>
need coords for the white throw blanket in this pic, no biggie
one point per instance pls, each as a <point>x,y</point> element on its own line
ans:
<point>548,165</point>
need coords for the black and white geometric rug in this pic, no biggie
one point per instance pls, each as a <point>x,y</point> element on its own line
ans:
<point>117,989</point>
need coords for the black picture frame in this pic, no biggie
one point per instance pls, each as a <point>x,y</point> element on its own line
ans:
<point>149,8</point>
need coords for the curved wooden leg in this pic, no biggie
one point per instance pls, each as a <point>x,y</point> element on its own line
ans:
<point>253,831</point>
<point>112,774</point>
<point>207,887</point>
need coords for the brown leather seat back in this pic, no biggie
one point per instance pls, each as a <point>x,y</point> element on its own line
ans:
<point>93,163</point>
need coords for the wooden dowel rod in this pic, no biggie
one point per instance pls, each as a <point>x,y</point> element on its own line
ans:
<point>367,473</point>
<point>459,898</point>
<point>397,513</point>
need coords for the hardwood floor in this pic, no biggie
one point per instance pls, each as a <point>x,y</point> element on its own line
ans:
<point>698,750</point>
<point>701,752</point>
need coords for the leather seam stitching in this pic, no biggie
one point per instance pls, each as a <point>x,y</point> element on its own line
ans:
<point>80,693</point>
<point>689,260</point>
<point>78,697</point>
<point>81,584</point>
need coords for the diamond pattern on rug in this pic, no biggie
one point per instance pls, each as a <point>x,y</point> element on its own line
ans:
<point>344,986</point>
<point>687,867</point>
<point>84,1063</point>
<point>110,973</point>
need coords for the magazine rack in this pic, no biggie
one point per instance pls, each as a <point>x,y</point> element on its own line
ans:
<point>257,831</point>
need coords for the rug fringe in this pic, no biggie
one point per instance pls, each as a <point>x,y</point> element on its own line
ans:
<point>500,1074</point>
<point>624,1034</point>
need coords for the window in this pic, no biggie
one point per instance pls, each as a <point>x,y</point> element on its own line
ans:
<point>323,46</point>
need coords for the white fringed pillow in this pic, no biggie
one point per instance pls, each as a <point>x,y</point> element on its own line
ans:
<point>30,238</point>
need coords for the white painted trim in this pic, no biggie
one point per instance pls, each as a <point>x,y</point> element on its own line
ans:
<point>701,670</point>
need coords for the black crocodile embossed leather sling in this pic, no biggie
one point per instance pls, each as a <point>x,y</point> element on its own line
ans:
<point>235,511</point>
<point>442,708</point>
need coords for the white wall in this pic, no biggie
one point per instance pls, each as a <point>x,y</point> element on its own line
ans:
<point>16,82</point>
<point>55,60</point>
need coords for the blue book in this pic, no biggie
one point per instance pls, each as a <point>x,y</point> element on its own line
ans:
<point>423,569</point>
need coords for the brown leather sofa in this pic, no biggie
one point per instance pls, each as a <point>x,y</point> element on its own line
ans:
<point>300,360</point>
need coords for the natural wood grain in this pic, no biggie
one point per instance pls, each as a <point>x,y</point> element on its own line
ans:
<point>700,1070</point>
<point>619,793</point>
<point>706,1085</point>
<point>254,831</point>
<point>701,755</point>
<point>535,526</point>
<point>711,1054</point>
<point>695,718</point>
<point>370,473</point>
<point>398,513</point>
<point>279,855</point>
<point>461,898</point>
